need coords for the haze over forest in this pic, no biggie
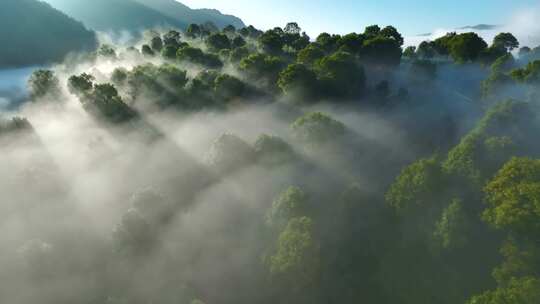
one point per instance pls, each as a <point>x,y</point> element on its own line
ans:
<point>169,155</point>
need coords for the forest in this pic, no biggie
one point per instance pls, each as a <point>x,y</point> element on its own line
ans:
<point>234,165</point>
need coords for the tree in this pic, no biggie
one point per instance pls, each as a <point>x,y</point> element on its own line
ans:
<point>392,33</point>
<point>217,42</point>
<point>238,42</point>
<point>298,79</point>
<point>292,28</point>
<point>169,52</point>
<point>410,52</point>
<point>193,31</point>
<point>262,66</point>
<point>529,74</point>
<point>317,128</point>
<point>197,56</point>
<point>156,44</point>
<point>147,51</point>
<point>506,40</point>
<point>513,198</point>
<point>372,31</point>
<point>229,29</point>
<point>417,187</point>
<point>119,76</point>
<point>228,87</point>
<point>81,85</point>
<point>467,47</point>
<point>452,228</point>
<point>272,150</point>
<point>172,38</point>
<point>381,51</point>
<point>342,74</point>
<point>426,50</point>
<point>328,42</point>
<point>271,42</point>
<point>229,152</point>
<point>351,43</point>
<point>42,83</point>
<point>238,54</point>
<point>291,203</point>
<point>297,259</point>
<point>310,55</point>
<point>106,51</point>
<point>519,291</point>
<point>105,103</point>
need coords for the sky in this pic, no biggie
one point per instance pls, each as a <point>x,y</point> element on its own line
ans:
<point>411,17</point>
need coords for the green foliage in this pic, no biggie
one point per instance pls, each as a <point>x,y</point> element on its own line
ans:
<point>229,152</point>
<point>466,47</point>
<point>197,56</point>
<point>453,227</point>
<point>82,84</point>
<point>193,31</point>
<point>157,44</point>
<point>392,33</point>
<point>272,150</point>
<point>343,75</point>
<point>119,76</point>
<point>512,196</point>
<point>409,52</point>
<point>426,50</point>
<point>292,203</point>
<point>298,79</point>
<point>228,87</point>
<point>147,51</point>
<point>328,42</point>
<point>297,259</point>
<point>238,42</point>
<point>317,128</point>
<point>106,51</point>
<point>271,42</point>
<point>169,52</point>
<point>262,66</point>
<point>529,74</point>
<point>42,83</point>
<point>473,158</point>
<point>310,55</point>
<point>519,291</point>
<point>506,41</point>
<point>105,103</point>
<point>417,187</point>
<point>217,42</point>
<point>382,51</point>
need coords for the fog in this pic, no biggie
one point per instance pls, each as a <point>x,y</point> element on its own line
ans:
<point>173,205</point>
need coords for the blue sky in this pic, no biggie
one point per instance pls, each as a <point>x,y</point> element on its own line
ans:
<point>342,16</point>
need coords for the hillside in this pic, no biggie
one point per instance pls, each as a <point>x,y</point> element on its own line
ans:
<point>137,15</point>
<point>179,11</point>
<point>18,32</point>
<point>114,15</point>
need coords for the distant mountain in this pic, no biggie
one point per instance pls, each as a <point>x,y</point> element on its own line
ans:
<point>179,11</point>
<point>480,27</point>
<point>115,15</point>
<point>137,15</point>
<point>34,33</point>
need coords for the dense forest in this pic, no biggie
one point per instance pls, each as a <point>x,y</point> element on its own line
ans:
<point>21,21</point>
<point>239,166</point>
